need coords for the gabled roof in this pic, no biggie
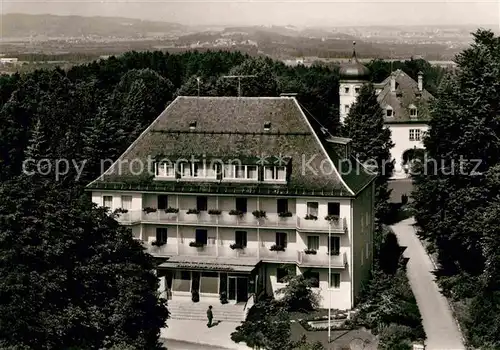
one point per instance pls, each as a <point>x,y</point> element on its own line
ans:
<point>406,94</point>
<point>232,127</point>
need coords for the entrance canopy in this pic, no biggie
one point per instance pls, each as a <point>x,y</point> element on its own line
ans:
<point>216,264</point>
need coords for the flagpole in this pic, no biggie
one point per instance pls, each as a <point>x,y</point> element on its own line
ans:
<point>329,281</point>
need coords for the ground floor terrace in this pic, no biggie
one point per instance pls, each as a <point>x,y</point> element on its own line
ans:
<point>200,279</point>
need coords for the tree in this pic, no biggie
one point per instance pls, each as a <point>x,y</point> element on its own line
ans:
<point>72,277</point>
<point>371,143</point>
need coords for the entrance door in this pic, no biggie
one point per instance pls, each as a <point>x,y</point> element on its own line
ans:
<point>242,289</point>
<point>231,288</point>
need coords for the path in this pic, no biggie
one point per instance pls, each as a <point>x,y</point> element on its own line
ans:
<point>439,325</point>
<point>197,332</point>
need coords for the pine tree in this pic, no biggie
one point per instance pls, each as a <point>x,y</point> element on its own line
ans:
<point>103,139</point>
<point>371,143</point>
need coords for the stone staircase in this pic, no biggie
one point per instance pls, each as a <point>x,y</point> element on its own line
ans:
<point>187,310</point>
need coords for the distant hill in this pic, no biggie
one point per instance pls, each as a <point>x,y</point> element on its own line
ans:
<point>23,25</point>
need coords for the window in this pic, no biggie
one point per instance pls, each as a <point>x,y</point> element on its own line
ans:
<point>241,172</point>
<point>313,277</point>
<point>334,208</point>
<point>161,235</point>
<point>127,202</point>
<point>209,282</point>
<point>281,274</point>
<point>282,205</point>
<point>240,238</point>
<point>241,204</point>
<point>362,257</point>
<point>201,236</point>
<point>346,90</point>
<point>252,172</point>
<point>415,135</point>
<point>165,170</point>
<point>277,173</point>
<point>356,89</point>
<point>182,281</point>
<point>334,245</point>
<point>201,203</point>
<point>198,170</point>
<point>346,109</point>
<point>388,112</point>
<point>162,201</point>
<point>413,112</point>
<point>107,201</point>
<point>312,208</point>
<point>281,239</point>
<point>313,243</point>
<point>367,250</point>
<point>335,280</point>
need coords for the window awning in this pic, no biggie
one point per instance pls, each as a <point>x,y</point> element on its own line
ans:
<point>220,265</point>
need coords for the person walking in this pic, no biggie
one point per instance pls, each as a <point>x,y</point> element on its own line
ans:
<point>210,316</point>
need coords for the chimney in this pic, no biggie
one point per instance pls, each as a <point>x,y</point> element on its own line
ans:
<point>393,82</point>
<point>420,81</point>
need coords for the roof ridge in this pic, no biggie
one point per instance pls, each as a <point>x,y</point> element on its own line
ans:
<point>238,97</point>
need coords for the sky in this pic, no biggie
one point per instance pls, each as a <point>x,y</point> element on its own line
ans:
<point>266,12</point>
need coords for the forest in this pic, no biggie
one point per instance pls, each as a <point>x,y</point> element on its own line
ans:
<point>69,270</point>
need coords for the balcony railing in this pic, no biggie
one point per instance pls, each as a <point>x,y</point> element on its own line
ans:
<point>224,219</point>
<point>262,253</point>
<point>322,225</point>
<point>321,259</point>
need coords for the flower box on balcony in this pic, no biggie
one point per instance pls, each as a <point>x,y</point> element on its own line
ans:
<point>172,210</point>
<point>285,214</point>
<point>121,211</point>
<point>158,243</point>
<point>236,246</point>
<point>277,248</point>
<point>193,211</point>
<point>311,217</point>
<point>310,251</point>
<point>196,244</point>
<point>236,212</point>
<point>334,252</point>
<point>214,212</point>
<point>332,218</point>
<point>259,214</point>
<point>149,210</point>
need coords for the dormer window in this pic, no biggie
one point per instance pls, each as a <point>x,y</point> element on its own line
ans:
<point>413,111</point>
<point>192,125</point>
<point>274,173</point>
<point>389,112</point>
<point>198,170</point>
<point>267,126</point>
<point>240,172</point>
<point>346,90</point>
<point>165,170</point>
<point>356,90</point>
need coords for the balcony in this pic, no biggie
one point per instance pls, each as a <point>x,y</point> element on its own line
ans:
<point>288,255</point>
<point>338,226</point>
<point>321,259</point>
<point>292,256</point>
<point>205,219</point>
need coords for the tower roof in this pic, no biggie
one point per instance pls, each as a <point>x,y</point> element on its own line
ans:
<point>354,70</point>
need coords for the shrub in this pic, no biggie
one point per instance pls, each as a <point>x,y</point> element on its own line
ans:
<point>236,246</point>
<point>193,211</point>
<point>311,217</point>
<point>277,248</point>
<point>285,214</point>
<point>310,251</point>
<point>395,337</point>
<point>171,210</point>
<point>148,210</point>
<point>259,214</point>
<point>214,212</point>
<point>236,212</point>
<point>298,294</point>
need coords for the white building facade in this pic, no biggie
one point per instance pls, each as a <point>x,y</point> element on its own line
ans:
<point>216,227</point>
<point>405,103</point>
